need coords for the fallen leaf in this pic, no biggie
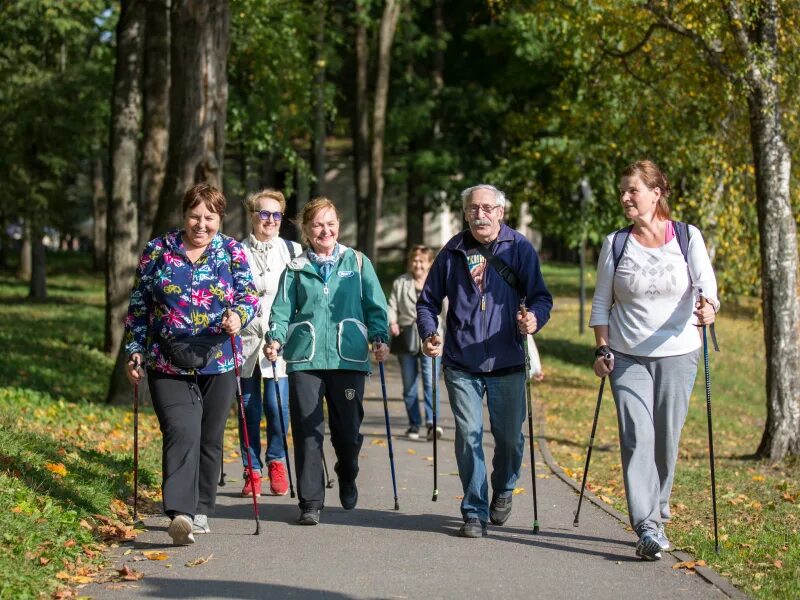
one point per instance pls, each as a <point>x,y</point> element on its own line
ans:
<point>411,451</point>
<point>57,468</point>
<point>84,524</point>
<point>689,565</point>
<point>518,490</point>
<point>778,564</point>
<point>429,458</point>
<point>155,555</point>
<point>199,561</point>
<point>378,442</point>
<point>128,551</point>
<point>128,574</point>
<point>758,478</point>
<point>43,561</point>
<point>69,543</point>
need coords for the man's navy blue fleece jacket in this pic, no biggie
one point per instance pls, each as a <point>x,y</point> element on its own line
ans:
<point>482,334</point>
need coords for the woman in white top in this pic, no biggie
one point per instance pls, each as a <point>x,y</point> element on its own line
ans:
<point>645,314</point>
<point>267,255</point>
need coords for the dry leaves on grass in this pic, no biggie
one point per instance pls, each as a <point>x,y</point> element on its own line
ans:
<point>112,530</point>
<point>57,468</point>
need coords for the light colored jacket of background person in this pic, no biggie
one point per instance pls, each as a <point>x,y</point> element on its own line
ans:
<point>267,262</point>
<point>403,303</point>
<point>648,301</point>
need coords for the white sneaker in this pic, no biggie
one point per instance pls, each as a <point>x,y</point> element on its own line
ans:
<point>200,524</point>
<point>439,432</point>
<point>180,530</point>
<point>661,536</point>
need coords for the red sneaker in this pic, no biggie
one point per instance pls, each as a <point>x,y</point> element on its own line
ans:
<point>249,486</point>
<point>278,483</point>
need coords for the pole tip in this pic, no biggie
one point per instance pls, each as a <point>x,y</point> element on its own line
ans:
<point>575,523</point>
<point>330,484</point>
<point>292,494</point>
<point>536,527</point>
<point>258,528</point>
<point>435,496</point>
<point>396,505</point>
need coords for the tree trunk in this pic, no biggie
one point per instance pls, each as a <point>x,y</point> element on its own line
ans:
<point>361,127</point>
<point>415,204</point>
<point>391,13</point>
<point>122,241</point>
<point>99,215</point>
<point>38,284</point>
<point>318,145</point>
<point>198,99</point>
<point>25,252</point>
<point>778,244</point>
<point>156,114</point>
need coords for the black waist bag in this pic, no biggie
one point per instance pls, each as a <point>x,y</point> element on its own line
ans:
<point>192,351</point>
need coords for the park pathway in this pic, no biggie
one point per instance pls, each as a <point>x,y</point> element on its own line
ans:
<point>376,552</point>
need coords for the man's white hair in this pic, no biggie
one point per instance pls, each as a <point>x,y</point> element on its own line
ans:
<point>466,195</point>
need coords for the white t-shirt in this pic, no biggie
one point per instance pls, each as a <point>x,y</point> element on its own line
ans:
<point>654,292</point>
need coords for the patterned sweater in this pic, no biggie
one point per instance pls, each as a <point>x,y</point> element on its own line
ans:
<point>173,297</point>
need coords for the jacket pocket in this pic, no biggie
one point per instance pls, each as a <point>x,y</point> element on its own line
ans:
<point>352,341</point>
<point>301,342</point>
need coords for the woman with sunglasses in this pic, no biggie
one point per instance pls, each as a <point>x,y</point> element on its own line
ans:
<point>268,254</point>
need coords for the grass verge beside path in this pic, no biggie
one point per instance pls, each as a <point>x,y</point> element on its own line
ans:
<point>65,457</point>
<point>758,504</point>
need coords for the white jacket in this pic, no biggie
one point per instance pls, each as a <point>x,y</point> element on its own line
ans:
<point>267,261</point>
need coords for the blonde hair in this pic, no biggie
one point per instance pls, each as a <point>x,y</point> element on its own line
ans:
<point>419,249</point>
<point>311,209</point>
<point>253,199</point>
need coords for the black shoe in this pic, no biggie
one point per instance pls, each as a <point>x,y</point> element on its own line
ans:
<point>309,516</point>
<point>473,528</point>
<point>412,432</point>
<point>500,509</point>
<point>348,494</point>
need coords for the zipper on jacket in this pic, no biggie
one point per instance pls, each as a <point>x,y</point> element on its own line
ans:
<point>483,302</point>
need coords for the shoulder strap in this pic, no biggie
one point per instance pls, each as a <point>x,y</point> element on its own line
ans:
<point>290,247</point>
<point>618,244</point>
<point>506,272</point>
<point>682,235</point>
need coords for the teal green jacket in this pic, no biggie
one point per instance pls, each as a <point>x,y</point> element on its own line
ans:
<point>329,325</point>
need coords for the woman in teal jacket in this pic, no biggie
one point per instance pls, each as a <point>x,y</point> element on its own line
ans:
<point>328,308</point>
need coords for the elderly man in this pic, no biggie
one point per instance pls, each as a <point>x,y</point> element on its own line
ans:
<point>485,273</point>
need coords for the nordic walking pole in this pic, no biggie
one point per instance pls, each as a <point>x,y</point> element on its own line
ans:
<point>591,445</point>
<point>523,309</point>
<point>240,398</point>
<point>710,429</point>
<point>136,365</point>
<point>435,458</point>
<point>388,428</point>
<point>283,427</point>
<point>221,482</point>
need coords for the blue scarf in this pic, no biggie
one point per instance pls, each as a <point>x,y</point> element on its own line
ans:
<point>324,264</point>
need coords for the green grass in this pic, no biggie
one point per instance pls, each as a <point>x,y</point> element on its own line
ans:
<point>64,455</point>
<point>758,508</point>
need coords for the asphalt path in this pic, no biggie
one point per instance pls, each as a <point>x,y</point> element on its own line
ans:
<point>377,552</point>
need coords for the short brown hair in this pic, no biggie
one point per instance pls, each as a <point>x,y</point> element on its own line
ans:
<point>311,209</point>
<point>204,193</point>
<point>252,199</point>
<point>419,249</point>
<point>652,177</point>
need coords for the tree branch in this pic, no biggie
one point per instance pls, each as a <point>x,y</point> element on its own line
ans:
<point>635,48</point>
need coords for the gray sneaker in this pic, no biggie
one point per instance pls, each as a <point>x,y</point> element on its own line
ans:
<point>200,524</point>
<point>648,547</point>
<point>180,530</point>
<point>661,536</point>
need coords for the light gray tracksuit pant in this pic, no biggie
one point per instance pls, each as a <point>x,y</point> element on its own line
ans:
<point>652,398</point>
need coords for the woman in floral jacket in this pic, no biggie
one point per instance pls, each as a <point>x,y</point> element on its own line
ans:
<point>193,290</point>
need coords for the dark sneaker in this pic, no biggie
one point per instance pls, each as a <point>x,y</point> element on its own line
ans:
<point>413,432</point>
<point>661,536</point>
<point>648,547</point>
<point>309,516</point>
<point>348,494</point>
<point>472,528</point>
<point>180,530</point>
<point>500,509</point>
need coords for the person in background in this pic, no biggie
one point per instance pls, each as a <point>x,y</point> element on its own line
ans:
<point>402,319</point>
<point>643,310</point>
<point>193,291</point>
<point>268,254</point>
<point>329,307</point>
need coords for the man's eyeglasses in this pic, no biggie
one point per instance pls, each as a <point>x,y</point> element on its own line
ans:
<point>484,208</point>
<point>266,214</point>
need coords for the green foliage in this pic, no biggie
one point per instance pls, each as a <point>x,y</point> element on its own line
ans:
<point>55,81</point>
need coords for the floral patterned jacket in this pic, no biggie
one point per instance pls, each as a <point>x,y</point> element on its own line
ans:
<point>172,297</point>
